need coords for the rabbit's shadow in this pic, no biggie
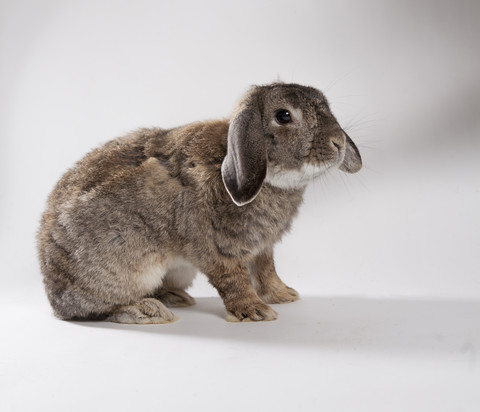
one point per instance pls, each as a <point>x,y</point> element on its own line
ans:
<point>400,325</point>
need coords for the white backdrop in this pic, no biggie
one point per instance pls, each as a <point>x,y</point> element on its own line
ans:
<point>402,78</point>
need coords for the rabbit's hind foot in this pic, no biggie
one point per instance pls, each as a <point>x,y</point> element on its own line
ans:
<point>280,293</point>
<point>175,298</point>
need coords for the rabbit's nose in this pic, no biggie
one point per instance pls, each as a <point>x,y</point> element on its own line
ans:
<point>337,142</point>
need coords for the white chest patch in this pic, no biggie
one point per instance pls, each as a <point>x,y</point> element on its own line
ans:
<point>291,179</point>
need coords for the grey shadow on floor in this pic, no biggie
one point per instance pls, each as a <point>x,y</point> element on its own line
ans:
<point>314,322</point>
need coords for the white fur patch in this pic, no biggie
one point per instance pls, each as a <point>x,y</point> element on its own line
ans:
<point>179,272</point>
<point>151,275</point>
<point>296,178</point>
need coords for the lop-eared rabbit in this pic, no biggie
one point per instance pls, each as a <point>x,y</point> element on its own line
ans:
<point>127,228</point>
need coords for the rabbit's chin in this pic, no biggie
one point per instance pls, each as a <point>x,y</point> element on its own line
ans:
<point>296,178</point>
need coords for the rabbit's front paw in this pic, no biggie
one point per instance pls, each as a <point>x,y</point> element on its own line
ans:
<point>254,311</point>
<point>145,311</point>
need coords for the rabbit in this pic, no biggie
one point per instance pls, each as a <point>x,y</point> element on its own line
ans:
<point>127,228</point>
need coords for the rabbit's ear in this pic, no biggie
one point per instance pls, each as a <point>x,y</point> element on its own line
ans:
<point>352,162</point>
<point>245,165</point>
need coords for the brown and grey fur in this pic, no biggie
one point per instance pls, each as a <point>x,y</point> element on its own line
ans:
<point>129,225</point>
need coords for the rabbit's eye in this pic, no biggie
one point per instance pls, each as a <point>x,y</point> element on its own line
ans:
<point>283,116</point>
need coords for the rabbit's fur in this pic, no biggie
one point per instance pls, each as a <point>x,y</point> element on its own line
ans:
<point>129,225</point>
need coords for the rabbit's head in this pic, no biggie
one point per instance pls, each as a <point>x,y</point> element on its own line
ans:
<point>285,135</point>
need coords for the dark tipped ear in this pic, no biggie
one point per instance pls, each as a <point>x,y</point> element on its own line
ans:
<point>352,162</point>
<point>245,164</point>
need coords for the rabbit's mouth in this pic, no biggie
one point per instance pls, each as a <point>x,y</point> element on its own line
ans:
<point>296,178</point>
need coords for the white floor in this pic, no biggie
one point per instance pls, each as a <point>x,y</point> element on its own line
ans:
<point>323,353</point>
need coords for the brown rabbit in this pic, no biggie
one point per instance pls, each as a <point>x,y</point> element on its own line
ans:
<point>127,228</point>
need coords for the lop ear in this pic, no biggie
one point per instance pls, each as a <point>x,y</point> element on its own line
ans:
<point>245,165</point>
<point>352,162</point>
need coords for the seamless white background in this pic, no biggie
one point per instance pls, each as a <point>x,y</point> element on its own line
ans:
<point>387,259</point>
